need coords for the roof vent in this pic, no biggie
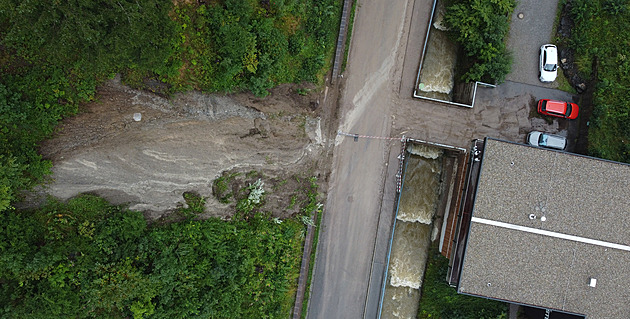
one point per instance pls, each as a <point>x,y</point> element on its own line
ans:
<point>532,216</point>
<point>543,218</point>
<point>592,282</point>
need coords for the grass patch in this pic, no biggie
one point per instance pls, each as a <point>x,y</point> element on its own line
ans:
<point>439,300</point>
<point>293,201</point>
<point>564,85</point>
<point>196,205</point>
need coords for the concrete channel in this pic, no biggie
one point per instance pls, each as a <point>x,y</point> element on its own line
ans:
<point>429,190</point>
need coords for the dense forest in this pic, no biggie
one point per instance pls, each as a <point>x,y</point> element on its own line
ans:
<point>53,54</point>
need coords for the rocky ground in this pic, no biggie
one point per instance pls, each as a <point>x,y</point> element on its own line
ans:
<point>183,143</point>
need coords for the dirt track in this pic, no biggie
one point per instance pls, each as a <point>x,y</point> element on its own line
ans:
<point>181,144</point>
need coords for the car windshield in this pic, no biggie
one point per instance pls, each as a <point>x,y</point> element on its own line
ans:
<point>550,67</point>
<point>542,140</point>
<point>568,109</point>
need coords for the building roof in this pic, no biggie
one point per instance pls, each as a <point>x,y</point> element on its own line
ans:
<point>579,229</point>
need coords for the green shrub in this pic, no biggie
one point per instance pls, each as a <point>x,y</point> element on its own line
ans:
<point>439,300</point>
<point>480,27</point>
<point>88,259</point>
<point>599,40</point>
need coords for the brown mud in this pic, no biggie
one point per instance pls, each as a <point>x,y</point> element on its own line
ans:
<point>183,143</point>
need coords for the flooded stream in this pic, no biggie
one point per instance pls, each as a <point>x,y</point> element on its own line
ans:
<point>437,76</point>
<point>412,234</point>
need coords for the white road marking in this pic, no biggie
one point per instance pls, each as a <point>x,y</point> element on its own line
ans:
<point>550,233</point>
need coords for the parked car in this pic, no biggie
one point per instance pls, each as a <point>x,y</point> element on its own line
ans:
<point>562,109</point>
<point>537,138</point>
<point>548,66</point>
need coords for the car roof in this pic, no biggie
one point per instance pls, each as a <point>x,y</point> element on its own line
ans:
<point>559,107</point>
<point>552,54</point>
<point>554,141</point>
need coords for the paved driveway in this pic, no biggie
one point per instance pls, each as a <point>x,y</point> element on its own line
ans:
<point>527,35</point>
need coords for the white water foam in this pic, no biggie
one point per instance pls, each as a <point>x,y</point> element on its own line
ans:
<point>439,22</point>
<point>420,188</point>
<point>408,256</point>
<point>425,151</point>
<point>438,67</point>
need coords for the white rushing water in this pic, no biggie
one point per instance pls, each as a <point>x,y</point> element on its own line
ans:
<point>412,235</point>
<point>437,76</point>
<point>408,256</point>
<point>438,21</point>
<point>438,67</point>
<point>418,196</point>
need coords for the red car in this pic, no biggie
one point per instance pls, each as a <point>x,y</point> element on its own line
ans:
<point>562,109</point>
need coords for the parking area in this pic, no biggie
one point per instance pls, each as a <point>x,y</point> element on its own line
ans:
<point>532,26</point>
<point>518,101</point>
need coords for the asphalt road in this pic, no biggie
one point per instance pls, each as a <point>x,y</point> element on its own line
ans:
<point>344,256</point>
<point>377,100</point>
<point>526,36</point>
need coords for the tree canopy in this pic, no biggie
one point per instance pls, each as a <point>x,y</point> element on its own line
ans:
<point>480,27</point>
<point>88,259</point>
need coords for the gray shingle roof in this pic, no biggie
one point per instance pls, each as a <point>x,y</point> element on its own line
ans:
<point>579,196</point>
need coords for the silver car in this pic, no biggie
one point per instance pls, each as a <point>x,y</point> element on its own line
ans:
<point>548,65</point>
<point>537,138</point>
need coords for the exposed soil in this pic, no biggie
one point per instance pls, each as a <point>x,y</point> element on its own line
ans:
<point>183,143</point>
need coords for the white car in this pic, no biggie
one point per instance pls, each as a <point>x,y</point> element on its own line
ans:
<point>548,66</point>
<point>536,138</point>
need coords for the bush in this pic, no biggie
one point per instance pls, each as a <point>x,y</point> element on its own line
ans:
<point>599,42</point>
<point>479,27</point>
<point>88,259</point>
<point>439,300</point>
<point>235,45</point>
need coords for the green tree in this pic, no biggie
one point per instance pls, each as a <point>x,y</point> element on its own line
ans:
<point>480,28</point>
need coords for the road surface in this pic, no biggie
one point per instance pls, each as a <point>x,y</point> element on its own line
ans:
<point>383,61</point>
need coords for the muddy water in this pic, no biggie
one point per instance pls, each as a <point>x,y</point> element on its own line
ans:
<point>438,68</point>
<point>408,257</point>
<point>412,235</point>
<point>437,76</point>
<point>402,302</point>
<point>417,199</point>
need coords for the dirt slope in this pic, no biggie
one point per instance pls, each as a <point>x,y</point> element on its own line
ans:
<point>181,144</point>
